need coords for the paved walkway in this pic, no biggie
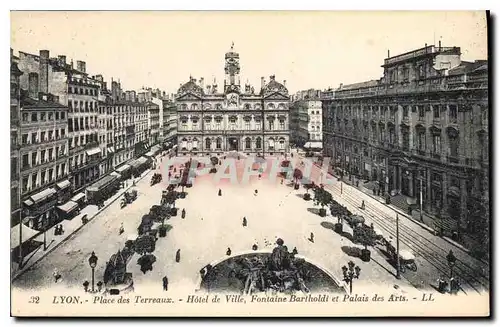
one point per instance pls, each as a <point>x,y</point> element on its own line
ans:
<point>70,227</point>
<point>430,249</point>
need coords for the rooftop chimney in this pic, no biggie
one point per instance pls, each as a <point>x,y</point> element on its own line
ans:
<point>202,84</point>
<point>61,59</point>
<point>80,66</point>
<point>262,82</point>
<point>388,53</point>
<point>439,45</point>
<point>33,85</point>
<point>284,82</point>
<point>209,89</point>
<point>44,71</point>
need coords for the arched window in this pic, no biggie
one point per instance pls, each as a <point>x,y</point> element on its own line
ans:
<point>270,106</point>
<point>195,143</point>
<point>184,143</point>
<point>208,143</point>
<point>248,143</point>
<point>282,144</point>
<point>258,143</point>
<point>194,106</point>
<point>218,143</point>
<point>271,143</point>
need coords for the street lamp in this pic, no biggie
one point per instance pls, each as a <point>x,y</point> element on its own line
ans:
<point>350,273</point>
<point>93,264</point>
<point>451,261</point>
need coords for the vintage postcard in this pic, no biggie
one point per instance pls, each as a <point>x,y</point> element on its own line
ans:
<point>246,164</point>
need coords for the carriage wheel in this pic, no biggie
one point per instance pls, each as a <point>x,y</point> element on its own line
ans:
<point>413,267</point>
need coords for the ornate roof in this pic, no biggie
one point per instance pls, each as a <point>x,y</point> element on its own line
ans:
<point>190,87</point>
<point>274,87</point>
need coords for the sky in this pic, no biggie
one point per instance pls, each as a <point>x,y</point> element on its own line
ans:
<point>307,49</point>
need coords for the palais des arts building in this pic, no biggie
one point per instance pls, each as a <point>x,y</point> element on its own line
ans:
<point>237,119</point>
<point>420,131</point>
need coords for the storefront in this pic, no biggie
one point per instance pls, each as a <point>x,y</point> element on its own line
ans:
<point>68,210</point>
<point>103,189</point>
<point>25,239</point>
<point>63,191</point>
<point>124,171</point>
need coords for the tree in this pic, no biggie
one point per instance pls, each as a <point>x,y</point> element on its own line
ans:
<point>297,174</point>
<point>365,235</point>
<point>322,197</point>
<point>309,185</point>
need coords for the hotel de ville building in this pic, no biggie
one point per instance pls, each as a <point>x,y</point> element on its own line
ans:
<point>236,118</point>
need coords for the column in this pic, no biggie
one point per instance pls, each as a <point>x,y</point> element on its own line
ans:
<point>386,175</point>
<point>462,225</point>
<point>428,191</point>
<point>410,183</point>
<point>444,194</point>
<point>394,178</point>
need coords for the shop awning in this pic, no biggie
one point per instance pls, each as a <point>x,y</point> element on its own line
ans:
<point>313,145</point>
<point>123,168</point>
<point>138,162</point>
<point>78,197</point>
<point>105,181</point>
<point>27,234</point>
<point>150,154</point>
<point>64,184</point>
<point>28,202</point>
<point>93,151</point>
<point>40,196</point>
<point>111,150</point>
<point>156,148</point>
<point>68,206</point>
<point>116,174</point>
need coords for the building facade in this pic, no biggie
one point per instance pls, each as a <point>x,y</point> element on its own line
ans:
<point>15,115</point>
<point>153,110</point>
<point>44,158</point>
<point>306,127</point>
<point>236,119</point>
<point>79,92</point>
<point>421,129</point>
<point>169,126</point>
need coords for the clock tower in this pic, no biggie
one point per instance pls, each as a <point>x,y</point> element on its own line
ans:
<point>232,70</point>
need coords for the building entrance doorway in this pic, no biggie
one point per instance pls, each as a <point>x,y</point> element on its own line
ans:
<point>233,144</point>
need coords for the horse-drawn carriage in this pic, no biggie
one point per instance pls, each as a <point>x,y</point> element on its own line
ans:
<point>128,197</point>
<point>155,179</point>
<point>406,257</point>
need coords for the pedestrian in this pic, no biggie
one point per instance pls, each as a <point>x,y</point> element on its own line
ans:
<point>363,204</point>
<point>183,213</point>
<point>178,255</point>
<point>228,252</point>
<point>99,286</point>
<point>122,229</point>
<point>374,191</point>
<point>294,251</point>
<point>442,285</point>
<point>220,192</point>
<point>56,230</point>
<point>244,222</point>
<point>86,285</point>
<point>56,275</point>
<point>254,247</point>
<point>165,283</point>
<point>255,193</point>
<point>260,176</point>
<point>282,181</point>
<point>312,237</point>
